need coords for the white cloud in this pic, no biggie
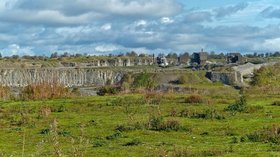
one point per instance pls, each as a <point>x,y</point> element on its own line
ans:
<point>106,48</point>
<point>269,45</point>
<point>106,27</point>
<point>15,49</point>
<point>166,20</point>
<point>141,23</point>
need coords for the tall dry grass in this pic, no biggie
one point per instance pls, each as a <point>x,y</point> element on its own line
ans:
<point>5,93</point>
<point>45,91</point>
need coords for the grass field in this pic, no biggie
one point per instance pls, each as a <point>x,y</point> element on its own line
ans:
<point>148,124</point>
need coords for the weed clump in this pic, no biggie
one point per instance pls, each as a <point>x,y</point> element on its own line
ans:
<point>158,124</point>
<point>276,103</point>
<point>5,93</point>
<point>108,90</point>
<point>266,135</point>
<point>194,99</point>
<point>239,106</point>
<point>44,111</point>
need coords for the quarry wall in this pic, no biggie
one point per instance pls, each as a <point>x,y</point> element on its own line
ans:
<point>70,77</point>
<point>228,78</point>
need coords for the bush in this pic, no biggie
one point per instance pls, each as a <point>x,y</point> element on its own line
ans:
<point>276,103</point>
<point>43,91</point>
<point>144,80</point>
<point>194,99</point>
<point>239,106</point>
<point>171,125</point>
<point>108,90</point>
<point>267,76</point>
<point>271,135</point>
<point>157,124</point>
<point>185,113</point>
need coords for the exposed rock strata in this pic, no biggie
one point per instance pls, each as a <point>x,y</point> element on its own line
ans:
<point>69,77</point>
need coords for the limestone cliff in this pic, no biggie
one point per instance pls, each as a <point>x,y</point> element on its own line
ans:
<point>69,77</point>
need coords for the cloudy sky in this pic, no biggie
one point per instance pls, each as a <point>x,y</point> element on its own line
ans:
<point>29,27</point>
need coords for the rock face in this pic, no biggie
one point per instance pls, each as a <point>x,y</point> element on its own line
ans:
<point>237,75</point>
<point>70,77</point>
<point>228,78</point>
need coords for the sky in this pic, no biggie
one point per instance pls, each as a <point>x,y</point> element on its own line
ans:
<point>99,27</point>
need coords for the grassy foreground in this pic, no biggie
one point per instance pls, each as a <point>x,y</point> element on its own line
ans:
<point>148,124</point>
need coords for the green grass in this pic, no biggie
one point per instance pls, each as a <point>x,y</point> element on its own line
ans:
<point>99,116</point>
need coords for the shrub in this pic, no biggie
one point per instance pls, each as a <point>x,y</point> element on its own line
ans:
<point>144,80</point>
<point>185,113</point>
<point>271,135</point>
<point>158,124</point>
<point>267,76</point>
<point>276,103</point>
<point>171,125</point>
<point>155,123</point>
<point>239,106</point>
<point>108,90</point>
<point>208,114</point>
<point>45,91</point>
<point>194,99</point>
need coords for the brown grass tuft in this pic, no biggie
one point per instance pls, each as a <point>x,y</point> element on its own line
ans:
<point>45,91</point>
